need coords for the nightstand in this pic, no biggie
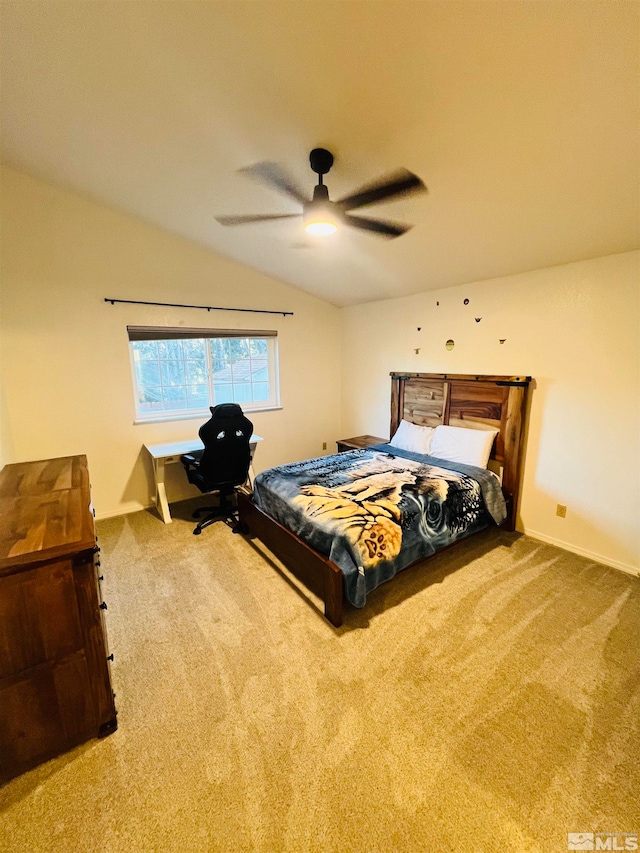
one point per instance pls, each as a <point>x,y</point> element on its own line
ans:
<point>358,442</point>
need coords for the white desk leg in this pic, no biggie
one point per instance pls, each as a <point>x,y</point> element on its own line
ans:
<point>161,496</point>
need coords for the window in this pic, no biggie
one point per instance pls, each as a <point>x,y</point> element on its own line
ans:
<point>181,372</point>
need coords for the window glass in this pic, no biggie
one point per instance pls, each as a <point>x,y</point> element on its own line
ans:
<point>147,349</point>
<point>170,349</point>
<point>148,373</point>
<point>174,397</point>
<point>172,372</point>
<point>223,394</point>
<point>260,391</point>
<point>182,377</point>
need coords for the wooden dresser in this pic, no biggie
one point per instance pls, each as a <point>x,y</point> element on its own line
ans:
<point>55,682</point>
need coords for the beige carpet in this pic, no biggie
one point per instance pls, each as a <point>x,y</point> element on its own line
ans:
<point>489,701</point>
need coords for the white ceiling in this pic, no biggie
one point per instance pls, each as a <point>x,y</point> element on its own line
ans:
<point>521,117</point>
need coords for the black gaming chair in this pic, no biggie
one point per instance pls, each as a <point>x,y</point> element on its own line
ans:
<point>224,462</point>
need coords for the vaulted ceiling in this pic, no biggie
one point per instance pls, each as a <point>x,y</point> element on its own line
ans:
<point>520,117</point>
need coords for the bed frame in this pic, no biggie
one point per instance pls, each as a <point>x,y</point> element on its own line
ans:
<point>427,399</point>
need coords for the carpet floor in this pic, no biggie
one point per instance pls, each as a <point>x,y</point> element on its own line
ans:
<point>486,701</point>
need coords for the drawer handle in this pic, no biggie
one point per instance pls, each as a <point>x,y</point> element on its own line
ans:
<point>110,657</point>
<point>103,606</point>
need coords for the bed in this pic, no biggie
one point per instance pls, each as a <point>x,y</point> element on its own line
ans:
<point>344,524</point>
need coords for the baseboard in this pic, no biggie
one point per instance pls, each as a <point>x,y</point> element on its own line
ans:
<point>598,558</point>
<point>123,509</point>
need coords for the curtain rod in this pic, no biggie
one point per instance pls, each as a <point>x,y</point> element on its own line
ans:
<point>204,307</point>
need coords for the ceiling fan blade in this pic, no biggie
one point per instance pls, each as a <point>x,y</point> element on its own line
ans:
<point>377,226</point>
<point>399,183</point>
<point>274,176</point>
<point>247,220</point>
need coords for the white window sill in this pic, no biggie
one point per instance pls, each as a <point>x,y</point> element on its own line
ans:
<point>197,415</point>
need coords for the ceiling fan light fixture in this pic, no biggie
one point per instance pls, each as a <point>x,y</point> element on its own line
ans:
<point>320,229</point>
<point>320,219</point>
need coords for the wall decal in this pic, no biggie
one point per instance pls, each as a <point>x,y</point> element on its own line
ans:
<point>466,301</point>
<point>478,319</point>
<point>450,344</point>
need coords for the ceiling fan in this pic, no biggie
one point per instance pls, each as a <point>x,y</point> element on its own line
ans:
<point>321,215</point>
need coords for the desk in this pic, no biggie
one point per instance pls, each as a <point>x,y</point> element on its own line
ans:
<point>162,454</point>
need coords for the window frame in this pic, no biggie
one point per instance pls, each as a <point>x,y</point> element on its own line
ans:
<point>156,333</point>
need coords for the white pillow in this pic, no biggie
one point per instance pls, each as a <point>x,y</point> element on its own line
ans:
<point>412,437</point>
<point>470,446</point>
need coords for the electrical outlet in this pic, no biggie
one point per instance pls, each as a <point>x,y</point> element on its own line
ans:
<point>324,445</point>
<point>561,511</point>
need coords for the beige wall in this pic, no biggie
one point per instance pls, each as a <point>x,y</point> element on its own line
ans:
<point>66,370</point>
<point>5,442</point>
<point>5,453</point>
<point>575,329</point>
<point>4,456</point>
<point>5,438</point>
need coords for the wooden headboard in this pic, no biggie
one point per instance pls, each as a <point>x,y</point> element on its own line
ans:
<point>474,402</point>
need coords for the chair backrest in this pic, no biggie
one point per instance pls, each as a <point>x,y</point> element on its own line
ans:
<point>227,455</point>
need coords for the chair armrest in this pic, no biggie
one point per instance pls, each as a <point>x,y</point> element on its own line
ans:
<point>190,461</point>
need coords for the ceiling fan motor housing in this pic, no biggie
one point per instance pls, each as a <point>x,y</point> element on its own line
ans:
<point>321,160</point>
